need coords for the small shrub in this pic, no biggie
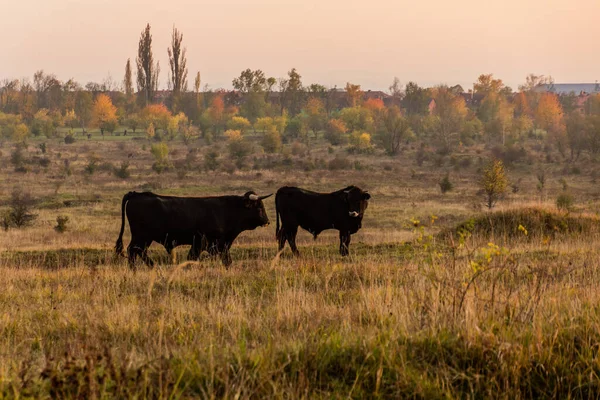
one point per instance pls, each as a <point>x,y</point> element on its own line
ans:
<point>91,166</point>
<point>272,140</point>
<point>69,138</point>
<point>564,202</point>
<point>42,147</point>
<point>445,184</point>
<point>339,163</point>
<point>19,214</point>
<point>61,223</point>
<point>122,171</point>
<point>211,160</point>
<point>17,158</point>
<point>299,149</point>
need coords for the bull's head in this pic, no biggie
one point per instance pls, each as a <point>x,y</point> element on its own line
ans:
<point>255,206</point>
<point>357,201</point>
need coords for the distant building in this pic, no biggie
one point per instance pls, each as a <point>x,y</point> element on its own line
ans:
<point>570,88</point>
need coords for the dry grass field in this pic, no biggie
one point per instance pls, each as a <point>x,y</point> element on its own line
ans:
<point>506,306</point>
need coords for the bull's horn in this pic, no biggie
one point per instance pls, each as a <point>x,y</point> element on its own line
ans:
<point>264,197</point>
<point>253,197</point>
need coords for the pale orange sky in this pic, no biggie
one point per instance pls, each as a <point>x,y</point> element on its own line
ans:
<point>328,41</point>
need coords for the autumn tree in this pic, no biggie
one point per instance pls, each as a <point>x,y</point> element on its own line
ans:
<point>416,99</point>
<point>353,94</point>
<point>486,84</point>
<point>104,114</point>
<point>335,132</point>
<point>178,65</point>
<point>158,115</point>
<point>262,124</point>
<point>549,113</point>
<point>216,112</point>
<point>239,123</point>
<point>451,112</point>
<point>394,129</point>
<point>253,85</point>
<point>292,93</point>
<point>493,182</point>
<point>128,80</point>
<point>576,131</point>
<point>84,105</point>
<point>315,114</point>
<point>147,71</point>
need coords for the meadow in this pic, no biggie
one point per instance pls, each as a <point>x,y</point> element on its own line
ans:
<point>439,297</point>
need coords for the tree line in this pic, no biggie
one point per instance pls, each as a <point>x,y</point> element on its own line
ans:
<point>288,109</point>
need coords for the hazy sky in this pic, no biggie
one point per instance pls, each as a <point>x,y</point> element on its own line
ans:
<point>328,41</point>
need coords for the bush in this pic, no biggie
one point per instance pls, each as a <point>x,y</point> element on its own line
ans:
<point>335,132</point>
<point>445,184</point>
<point>338,163</point>
<point>91,166</point>
<point>564,202</point>
<point>69,138</point>
<point>17,158</point>
<point>272,140</point>
<point>123,171</point>
<point>160,152</point>
<point>19,214</point>
<point>211,160</point>
<point>61,223</point>
<point>42,147</point>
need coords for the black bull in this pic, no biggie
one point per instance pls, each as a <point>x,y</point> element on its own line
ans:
<point>315,212</point>
<point>205,223</point>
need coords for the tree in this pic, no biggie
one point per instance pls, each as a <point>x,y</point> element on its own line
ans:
<point>416,99</point>
<point>250,81</point>
<point>262,124</point>
<point>239,123</point>
<point>315,113</point>
<point>147,71</point>
<point>451,111</point>
<point>128,80</point>
<point>178,64</point>
<point>292,93</point>
<point>272,140</point>
<point>216,111</point>
<point>160,151</point>
<point>335,132</point>
<point>549,113</point>
<point>353,94</point>
<point>486,84</point>
<point>493,182</point>
<point>158,115</point>
<point>395,128</point>
<point>104,113</point>
<point>396,89</point>
<point>576,130</point>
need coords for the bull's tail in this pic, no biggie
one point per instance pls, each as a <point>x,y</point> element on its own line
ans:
<point>119,244</point>
<point>277,230</point>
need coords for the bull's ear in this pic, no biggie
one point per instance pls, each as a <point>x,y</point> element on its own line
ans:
<point>366,196</point>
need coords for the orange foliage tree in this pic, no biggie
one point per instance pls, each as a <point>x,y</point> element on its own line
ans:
<point>157,115</point>
<point>104,114</point>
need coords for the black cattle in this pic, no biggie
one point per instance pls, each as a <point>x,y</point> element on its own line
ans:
<point>315,212</point>
<point>205,223</point>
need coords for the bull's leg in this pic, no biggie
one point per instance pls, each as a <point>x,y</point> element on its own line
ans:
<point>291,238</point>
<point>281,238</point>
<point>344,243</point>
<point>136,248</point>
<point>194,253</point>
<point>146,258</point>
<point>222,249</point>
<point>169,247</point>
